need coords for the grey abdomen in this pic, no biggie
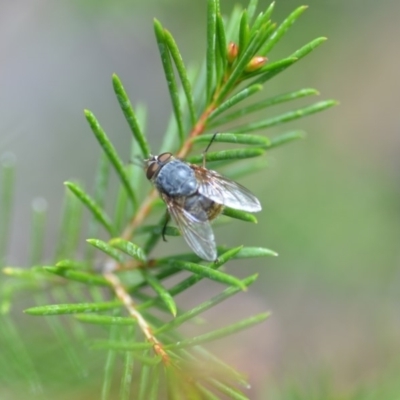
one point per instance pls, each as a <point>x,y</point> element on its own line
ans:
<point>176,179</point>
<point>198,205</point>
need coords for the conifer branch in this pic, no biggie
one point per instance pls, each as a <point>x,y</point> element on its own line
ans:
<point>236,67</point>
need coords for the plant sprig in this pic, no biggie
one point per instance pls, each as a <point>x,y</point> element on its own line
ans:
<point>144,325</point>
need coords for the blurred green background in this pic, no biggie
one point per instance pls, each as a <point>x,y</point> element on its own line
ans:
<point>331,202</point>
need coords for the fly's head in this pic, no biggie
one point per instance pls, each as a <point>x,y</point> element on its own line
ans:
<point>153,165</point>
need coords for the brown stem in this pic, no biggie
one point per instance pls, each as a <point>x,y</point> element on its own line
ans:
<point>140,216</point>
<point>135,222</point>
<point>126,299</point>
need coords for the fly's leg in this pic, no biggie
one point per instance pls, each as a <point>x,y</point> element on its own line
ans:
<point>165,226</point>
<point>208,147</point>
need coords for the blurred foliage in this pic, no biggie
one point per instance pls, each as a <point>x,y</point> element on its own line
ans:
<point>155,355</point>
<point>331,211</point>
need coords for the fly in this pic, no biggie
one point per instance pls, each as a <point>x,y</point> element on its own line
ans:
<point>194,196</point>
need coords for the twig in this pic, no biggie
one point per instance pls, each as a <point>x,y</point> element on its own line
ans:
<point>136,221</point>
<point>126,299</point>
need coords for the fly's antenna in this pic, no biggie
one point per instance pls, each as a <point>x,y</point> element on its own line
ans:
<point>208,147</point>
<point>138,161</point>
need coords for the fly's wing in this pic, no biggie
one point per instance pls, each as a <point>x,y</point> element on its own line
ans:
<point>224,191</point>
<point>196,230</point>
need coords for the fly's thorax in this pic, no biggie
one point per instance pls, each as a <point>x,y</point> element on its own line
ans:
<point>176,178</point>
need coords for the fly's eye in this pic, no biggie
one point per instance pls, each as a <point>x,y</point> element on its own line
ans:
<point>164,157</point>
<point>151,170</point>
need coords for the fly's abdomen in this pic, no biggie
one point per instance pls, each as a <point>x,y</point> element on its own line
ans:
<point>176,178</point>
<point>202,208</point>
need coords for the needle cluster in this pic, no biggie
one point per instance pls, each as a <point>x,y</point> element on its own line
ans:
<point>128,292</point>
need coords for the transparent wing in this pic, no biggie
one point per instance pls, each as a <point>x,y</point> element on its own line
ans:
<point>225,191</point>
<point>196,230</point>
